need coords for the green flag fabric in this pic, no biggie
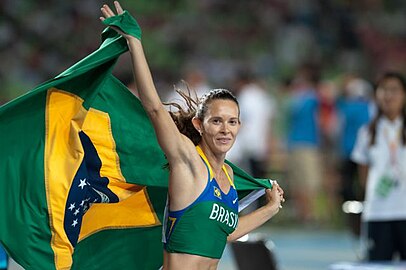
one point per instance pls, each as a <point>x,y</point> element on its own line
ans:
<point>82,183</point>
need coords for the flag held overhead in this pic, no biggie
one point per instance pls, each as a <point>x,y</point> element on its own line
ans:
<point>82,182</point>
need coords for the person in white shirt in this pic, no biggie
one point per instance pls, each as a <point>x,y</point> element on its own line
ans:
<point>195,81</point>
<point>257,106</point>
<point>380,152</point>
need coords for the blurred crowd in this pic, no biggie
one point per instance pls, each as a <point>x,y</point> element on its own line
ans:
<point>39,39</point>
<point>302,134</point>
<point>302,70</point>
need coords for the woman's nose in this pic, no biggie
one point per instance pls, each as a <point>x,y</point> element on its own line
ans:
<point>224,128</point>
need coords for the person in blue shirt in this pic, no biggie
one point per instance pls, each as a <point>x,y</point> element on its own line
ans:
<point>354,109</point>
<point>304,171</point>
<point>3,259</point>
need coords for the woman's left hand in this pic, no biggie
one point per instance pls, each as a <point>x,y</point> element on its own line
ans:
<point>281,192</point>
<point>275,197</point>
<point>107,13</point>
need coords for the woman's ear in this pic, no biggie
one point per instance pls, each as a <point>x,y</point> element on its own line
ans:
<point>197,123</point>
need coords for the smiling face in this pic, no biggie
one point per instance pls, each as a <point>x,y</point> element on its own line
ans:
<point>220,125</point>
<point>390,97</point>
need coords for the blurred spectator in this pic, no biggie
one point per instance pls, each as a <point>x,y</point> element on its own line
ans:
<point>354,110</point>
<point>304,170</point>
<point>380,152</point>
<point>257,107</point>
<point>328,122</point>
<point>194,80</point>
<point>3,259</point>
<point>328,209</point>
<point>364,36</point>
<point>197,81</point>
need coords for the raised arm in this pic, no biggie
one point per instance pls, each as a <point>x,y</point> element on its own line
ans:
<point>173,143</point>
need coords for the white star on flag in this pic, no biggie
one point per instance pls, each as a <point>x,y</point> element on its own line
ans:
<point>75,222</point>
<point>72,206</point>
<point>82,183</point>
<point>76,212</point>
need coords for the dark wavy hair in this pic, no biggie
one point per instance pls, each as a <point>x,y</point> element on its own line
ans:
<point>196,107</point>
<point>373,125</point>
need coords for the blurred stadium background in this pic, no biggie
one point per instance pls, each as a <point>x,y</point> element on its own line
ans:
<point>39,39</point>
<point>271,38</point>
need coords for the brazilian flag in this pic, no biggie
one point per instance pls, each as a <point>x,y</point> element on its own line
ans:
<point>82,184</point>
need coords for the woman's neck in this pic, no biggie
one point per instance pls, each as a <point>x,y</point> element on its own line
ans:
<point>216,161</point>
<point>392,116</point>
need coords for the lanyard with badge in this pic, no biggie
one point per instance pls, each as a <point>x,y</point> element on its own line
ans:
<point>390,179</point>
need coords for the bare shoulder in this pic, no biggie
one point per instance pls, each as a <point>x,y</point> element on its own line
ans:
<point>189,154</point>
<point>187,179</point>
<point>188,161</point>
<point>229,171</point>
